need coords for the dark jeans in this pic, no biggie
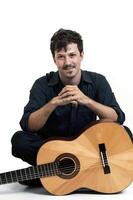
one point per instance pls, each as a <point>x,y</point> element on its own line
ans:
<point>25,145</point>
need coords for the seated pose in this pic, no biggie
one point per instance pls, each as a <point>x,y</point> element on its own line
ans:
<point>64,102</point>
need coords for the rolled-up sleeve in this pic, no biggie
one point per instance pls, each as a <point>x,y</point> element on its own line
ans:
<point>37,99</point>
<point>106,96</point>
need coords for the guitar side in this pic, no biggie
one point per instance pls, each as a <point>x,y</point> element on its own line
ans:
<point>87,169</point>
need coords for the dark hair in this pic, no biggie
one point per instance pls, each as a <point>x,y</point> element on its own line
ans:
<point>62,38</point>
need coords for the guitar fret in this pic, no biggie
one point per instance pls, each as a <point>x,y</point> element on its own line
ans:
<point>6,177</point>
<point>18,175</point>
<point>21,174</point>
<point>33,172</point>
<point>37,170</point>
<point>56,168</point>
<point>52,169</point>
<point>25,174</point>
<point>29,170</point>
<point>47,169</point>
<point>36,175</point>
<point>14,176</point>
<point>11,176</point>
<point>44,169</point>
<point>41,171</point>
<point>3,179</point>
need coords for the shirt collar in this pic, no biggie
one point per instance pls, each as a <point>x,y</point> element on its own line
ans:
<point>55,78</point>
<point>86,77</point>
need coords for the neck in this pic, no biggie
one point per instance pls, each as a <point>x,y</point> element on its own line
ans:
<point>72,80</point>
<point>32,172</point>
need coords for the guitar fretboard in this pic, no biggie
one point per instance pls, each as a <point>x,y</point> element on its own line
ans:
<point>33,172</point>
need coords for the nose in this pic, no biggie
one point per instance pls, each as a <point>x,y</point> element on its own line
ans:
<point>67,61</point>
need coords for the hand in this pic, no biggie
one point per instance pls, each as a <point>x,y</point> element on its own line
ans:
<point>72,94</point>
<point>59,101</point>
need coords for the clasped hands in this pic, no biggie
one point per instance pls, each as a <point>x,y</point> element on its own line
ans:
<point>71,94</point>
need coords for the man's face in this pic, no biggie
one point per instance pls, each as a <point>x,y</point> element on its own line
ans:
<point>68,61</point>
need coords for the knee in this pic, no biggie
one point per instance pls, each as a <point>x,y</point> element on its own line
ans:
<point>24,142</point>
<point>16,138</point>
<point>17,142</point>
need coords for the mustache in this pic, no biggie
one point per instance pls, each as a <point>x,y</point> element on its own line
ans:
<point>67,66</point>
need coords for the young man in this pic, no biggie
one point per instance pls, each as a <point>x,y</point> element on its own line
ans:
<point>62,103</point>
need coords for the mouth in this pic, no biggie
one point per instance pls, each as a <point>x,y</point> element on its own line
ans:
<point>69,68</point>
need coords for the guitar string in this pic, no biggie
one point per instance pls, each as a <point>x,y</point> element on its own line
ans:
<point>36,174</point>
<point>48,172</point>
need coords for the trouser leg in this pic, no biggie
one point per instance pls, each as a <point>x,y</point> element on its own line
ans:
<point>25,145</point>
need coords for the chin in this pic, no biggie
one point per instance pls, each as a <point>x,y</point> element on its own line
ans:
<point>70,75</point>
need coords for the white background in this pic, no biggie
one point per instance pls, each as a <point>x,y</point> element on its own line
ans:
<point>26,27</point>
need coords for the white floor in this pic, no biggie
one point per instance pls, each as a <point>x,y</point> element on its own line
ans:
<point>15,191</point>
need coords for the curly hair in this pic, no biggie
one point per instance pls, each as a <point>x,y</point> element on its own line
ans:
<point>62,38</point>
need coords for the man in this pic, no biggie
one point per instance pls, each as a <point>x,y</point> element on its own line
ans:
<point>62,103</point>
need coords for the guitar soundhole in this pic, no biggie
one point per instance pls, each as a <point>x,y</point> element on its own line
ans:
<point>68,165</point>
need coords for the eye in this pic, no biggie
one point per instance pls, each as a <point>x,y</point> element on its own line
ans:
<point>60,57</point>
<point>72,55</point>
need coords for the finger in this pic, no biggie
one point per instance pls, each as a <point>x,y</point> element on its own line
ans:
<point>75,103</point>
<point>68,94</point>
<point>66,89</point>
<point>67,100</point>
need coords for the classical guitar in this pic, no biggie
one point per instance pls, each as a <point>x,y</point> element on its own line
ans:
<point>100,158</point>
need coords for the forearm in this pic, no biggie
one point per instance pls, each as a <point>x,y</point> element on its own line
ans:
<point>103,112</point>
<point>38,118</point>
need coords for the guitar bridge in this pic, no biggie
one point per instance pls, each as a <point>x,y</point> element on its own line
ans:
<point>104,158</point>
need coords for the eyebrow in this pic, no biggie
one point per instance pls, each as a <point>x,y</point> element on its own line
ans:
<point>59,53</point>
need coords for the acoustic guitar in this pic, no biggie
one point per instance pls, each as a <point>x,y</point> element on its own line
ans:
<point>100,158</point>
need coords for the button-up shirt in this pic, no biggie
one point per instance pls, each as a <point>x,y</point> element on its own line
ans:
<point>69,120</point>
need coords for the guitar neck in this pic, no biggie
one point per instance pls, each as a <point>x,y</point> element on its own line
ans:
<point>33,172</point>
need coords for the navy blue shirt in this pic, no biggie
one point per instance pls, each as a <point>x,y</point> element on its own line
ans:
<point>69,120</point>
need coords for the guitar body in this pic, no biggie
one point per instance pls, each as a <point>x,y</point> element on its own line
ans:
<point>101,159</point>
